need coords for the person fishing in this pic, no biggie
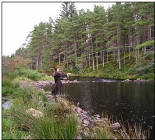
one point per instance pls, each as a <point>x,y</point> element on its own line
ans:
<point>58,76</point>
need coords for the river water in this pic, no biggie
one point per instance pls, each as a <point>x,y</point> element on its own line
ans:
<point>131,102</point>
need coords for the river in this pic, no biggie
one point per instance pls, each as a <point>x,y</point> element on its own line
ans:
<point>131,102</point>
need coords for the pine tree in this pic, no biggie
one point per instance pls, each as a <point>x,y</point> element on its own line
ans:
<point>68,9</point>
<point>37,45</point>
<point>84,39</point>
<point>98,27</point>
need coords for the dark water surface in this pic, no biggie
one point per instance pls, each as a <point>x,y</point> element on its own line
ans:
<point>127,101</point>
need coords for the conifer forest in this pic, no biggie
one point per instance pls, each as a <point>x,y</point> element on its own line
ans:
<point>79,39</point>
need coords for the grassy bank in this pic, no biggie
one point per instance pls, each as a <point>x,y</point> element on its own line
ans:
<point>11,82</point>
<point>58,120</point>
<point>17,124</point>
<point>55,124</point>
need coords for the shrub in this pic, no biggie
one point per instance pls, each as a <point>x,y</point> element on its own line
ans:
<point>31,74</point>
<point>7,91</point>
<point>20,71</point>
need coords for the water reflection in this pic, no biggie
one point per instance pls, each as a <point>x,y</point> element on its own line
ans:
<point>130,101</point>
<point>86,101</point>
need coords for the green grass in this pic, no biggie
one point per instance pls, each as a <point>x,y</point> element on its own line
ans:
<point>6,91</point>
<point>11,82</point>
<point>10,129</point>
<point>51,128</point>
<point>31,74</point>
<point>55,124</point>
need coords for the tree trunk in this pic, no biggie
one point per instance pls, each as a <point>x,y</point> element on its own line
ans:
<point>103,59</point>
<point>93,55</point>
<point>107,56</point>
<point>41,62</point>
<point>136,55</point>
<point>97,60</point>
<point>130,41</point>
<point>144,39</point>
<point>93,63</point>
<point>59,58</point>
<point>149,36</point>
<point>37,61</point>
<point>124,55</point>
<point>138,42</point>
<point>66,54</point>
<point>89,57</point>
<point>118,45</point>
<point>129,52</point>
<point>86,58</point>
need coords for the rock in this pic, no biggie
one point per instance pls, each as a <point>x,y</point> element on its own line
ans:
<point>139,80</point>
<point>79,110</point>
<point>79,138</point>
<point>75,80</point>
<point>97,116</point>
<point>127,80</point>
<point>85,121</point>
<point>35,113</point>
<point>86,134</point>
<point>49,96</point>
<point>115,125</point>
<point>28,137</point>
<point>91,124</point>
<point>78,104</point>
<point>84,112</point>
<point>7,105</point>
<point>105,119</point>
<point>48,93</point>
<point>38,84</point>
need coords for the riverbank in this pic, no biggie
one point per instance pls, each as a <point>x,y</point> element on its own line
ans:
<point>90,125</point>
<point>85,126</point>
<point>42,84</point>
<point>29,95</point>
<point>23,115</point>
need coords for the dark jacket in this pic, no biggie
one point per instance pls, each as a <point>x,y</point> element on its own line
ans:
<point>58,84</point>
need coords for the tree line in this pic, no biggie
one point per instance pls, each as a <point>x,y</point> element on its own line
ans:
<point>80,38</point>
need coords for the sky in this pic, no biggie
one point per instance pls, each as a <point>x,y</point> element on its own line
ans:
<point>19,18</point>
